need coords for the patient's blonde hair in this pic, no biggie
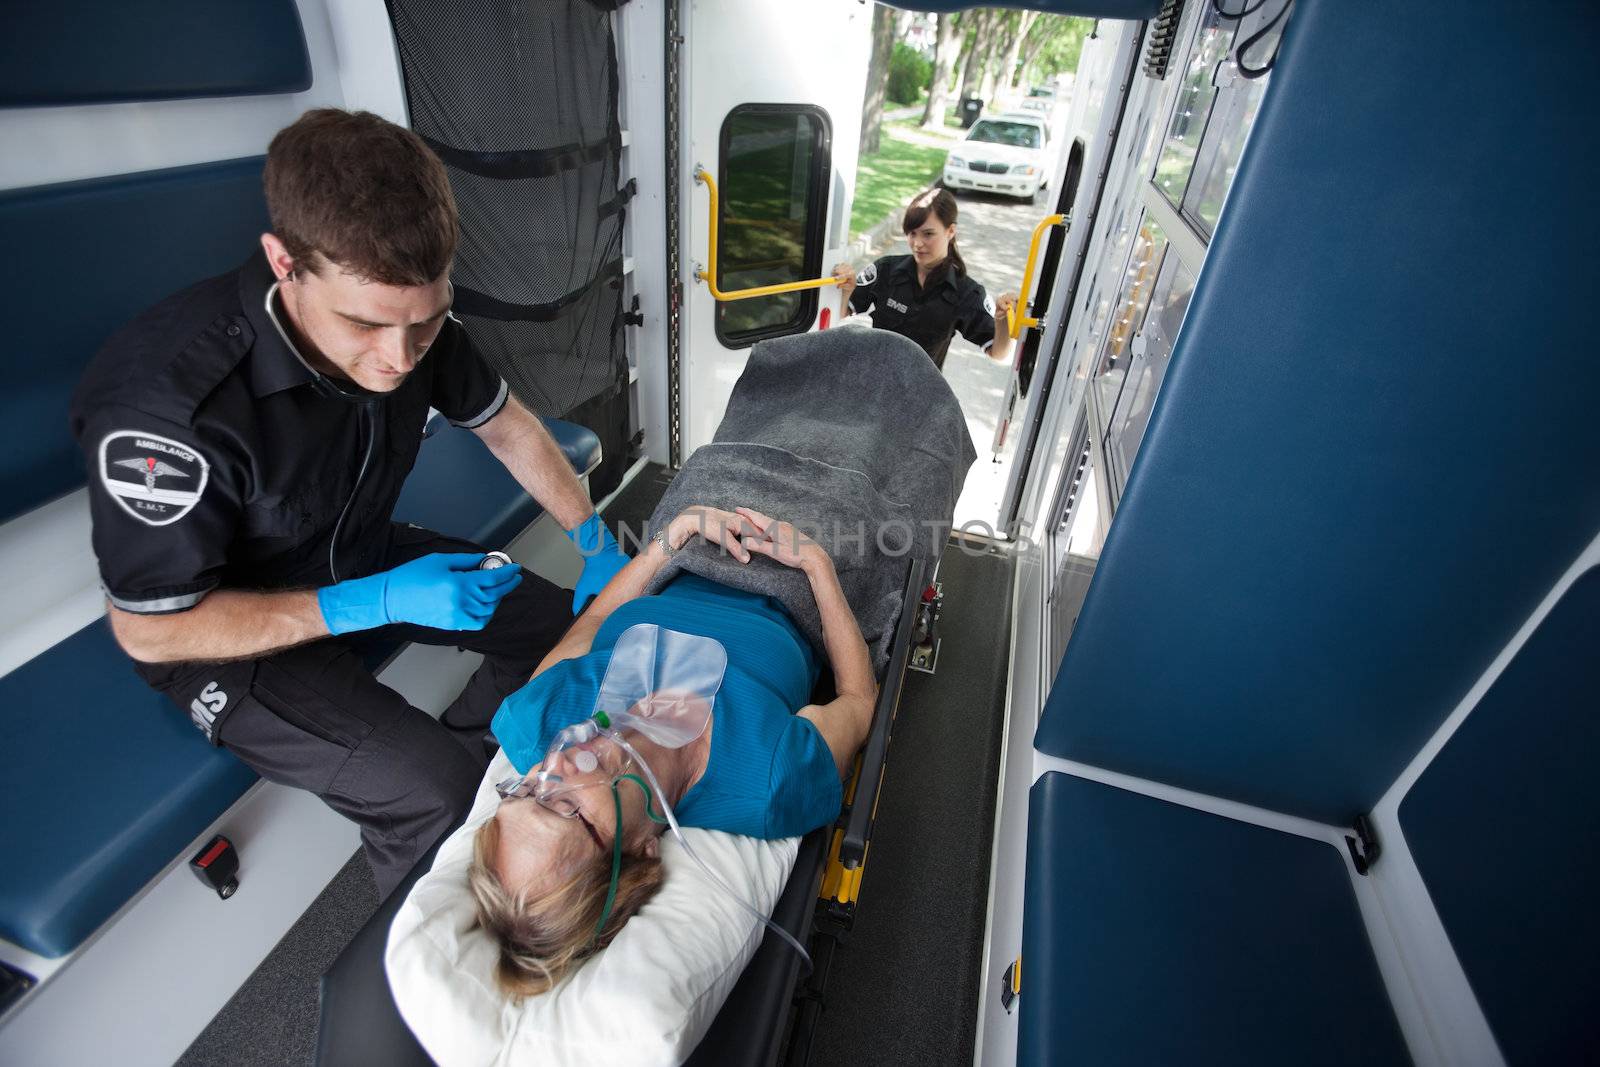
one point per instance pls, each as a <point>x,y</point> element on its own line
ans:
<point>542,938</point>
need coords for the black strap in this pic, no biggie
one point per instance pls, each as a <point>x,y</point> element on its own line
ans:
<point>472,302</point>
<point>618,202</point>
<point>529,162</point>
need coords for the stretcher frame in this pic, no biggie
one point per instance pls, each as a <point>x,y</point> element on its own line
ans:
<point>360,1023</point>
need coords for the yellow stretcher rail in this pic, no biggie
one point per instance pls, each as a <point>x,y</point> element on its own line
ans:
<point>1016,315</point>
<point>709,274</point>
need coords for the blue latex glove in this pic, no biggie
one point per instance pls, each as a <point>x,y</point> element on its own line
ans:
<point>602,558</point>
<point>444,590</point>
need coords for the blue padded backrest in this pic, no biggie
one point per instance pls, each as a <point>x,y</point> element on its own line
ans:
<point>92,51</point>
<point>1503,825</point>
<point>1376,448</point>
<point>458,488</point>
<point>81,259</point>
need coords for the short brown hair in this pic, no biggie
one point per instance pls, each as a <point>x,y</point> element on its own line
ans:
<point>363,193</point>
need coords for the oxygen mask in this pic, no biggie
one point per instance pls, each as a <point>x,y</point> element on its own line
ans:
<point>660,685</point>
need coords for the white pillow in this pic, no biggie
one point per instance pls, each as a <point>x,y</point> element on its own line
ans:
<point>647,999</point>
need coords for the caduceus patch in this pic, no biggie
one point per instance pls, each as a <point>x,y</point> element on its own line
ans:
<point>155,479</point>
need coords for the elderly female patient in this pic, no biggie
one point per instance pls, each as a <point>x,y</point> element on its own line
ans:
<point>546,874</point>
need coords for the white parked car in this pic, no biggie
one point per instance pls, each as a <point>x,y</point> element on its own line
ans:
<point>1001,154</point>
<point>1040,99</point>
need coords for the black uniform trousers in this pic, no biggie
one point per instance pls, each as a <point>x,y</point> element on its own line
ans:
<point>314,717</point>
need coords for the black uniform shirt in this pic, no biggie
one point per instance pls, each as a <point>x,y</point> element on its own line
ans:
<point>217,457</point>
<point>929,315</point>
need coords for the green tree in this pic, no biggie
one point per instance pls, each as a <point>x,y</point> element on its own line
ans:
<point>1053,46</point>
<point>908,74</point>
<point>946,44</point>
<point>978,48</point>
<point>1016,34</point>
<point>883,23</point>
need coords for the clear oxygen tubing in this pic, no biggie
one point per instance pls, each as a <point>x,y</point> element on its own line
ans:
<point>672,821</point>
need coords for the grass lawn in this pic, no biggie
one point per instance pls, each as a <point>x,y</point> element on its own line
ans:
<point>907,160</point>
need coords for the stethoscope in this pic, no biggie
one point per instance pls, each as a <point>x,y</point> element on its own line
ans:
<point>367,402</point>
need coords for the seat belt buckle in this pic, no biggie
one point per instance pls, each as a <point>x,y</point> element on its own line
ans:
<point>217,865</point>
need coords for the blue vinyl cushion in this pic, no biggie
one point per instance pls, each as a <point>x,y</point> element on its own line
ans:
<point>88,257</point>
<point>102,782</point>
<point>1316,554</point>
<point>94,51</point>
<point>1157,934</point>
<point>1503,825</point>
<point>459,488</point>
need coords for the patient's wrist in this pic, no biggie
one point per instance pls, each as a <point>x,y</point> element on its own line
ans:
<point>816,562</point>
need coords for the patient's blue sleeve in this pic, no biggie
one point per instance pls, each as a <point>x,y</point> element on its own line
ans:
<point>561,696</point>
<point>805,789</point>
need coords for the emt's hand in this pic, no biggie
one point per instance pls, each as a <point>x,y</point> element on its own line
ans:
<point>602,559</point>
<point>443,591</point>
<point>847,279</point>
<point>780,541</point>
<point>1002,304</point>
<point>714,525</point>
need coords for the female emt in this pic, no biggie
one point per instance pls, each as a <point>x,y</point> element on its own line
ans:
<point>928,295</point>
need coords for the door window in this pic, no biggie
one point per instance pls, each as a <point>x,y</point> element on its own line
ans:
<point>773,190</point>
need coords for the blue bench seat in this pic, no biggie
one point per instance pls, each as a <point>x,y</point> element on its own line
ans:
<point>1154,933</point>
<point>104,782</point>
<point>459,488</point>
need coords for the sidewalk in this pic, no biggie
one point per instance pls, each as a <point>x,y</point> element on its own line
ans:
<point>882,172</point>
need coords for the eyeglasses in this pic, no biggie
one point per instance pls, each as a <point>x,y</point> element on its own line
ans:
<point>563,805</point>
<point>566,806</point>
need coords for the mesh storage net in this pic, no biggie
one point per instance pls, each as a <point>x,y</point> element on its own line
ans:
<point>520,101</point>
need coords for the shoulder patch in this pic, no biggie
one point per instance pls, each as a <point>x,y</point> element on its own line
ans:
<point>153,478</point>
<point>867,275</point>
<point>988,304</point>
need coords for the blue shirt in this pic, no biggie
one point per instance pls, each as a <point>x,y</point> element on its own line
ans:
<point>769,773</point>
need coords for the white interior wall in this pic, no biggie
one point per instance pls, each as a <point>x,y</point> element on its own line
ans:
<point>640,31</point>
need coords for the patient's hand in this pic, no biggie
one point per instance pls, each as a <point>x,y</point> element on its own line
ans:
<point>779,540</point>
<point>716,526</point>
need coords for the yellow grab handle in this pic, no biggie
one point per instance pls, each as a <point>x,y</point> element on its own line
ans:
<point>709,275</point>
<point>1016,315</point>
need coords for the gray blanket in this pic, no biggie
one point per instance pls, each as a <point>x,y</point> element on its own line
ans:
<point>854,436</point>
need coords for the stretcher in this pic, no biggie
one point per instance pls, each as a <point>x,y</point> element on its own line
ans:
<point>360,1023</point>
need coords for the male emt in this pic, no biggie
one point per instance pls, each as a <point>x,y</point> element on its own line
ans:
<point>247,439</point>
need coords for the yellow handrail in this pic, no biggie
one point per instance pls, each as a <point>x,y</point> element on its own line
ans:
<point>1016,315</point>
<point>709,275</point>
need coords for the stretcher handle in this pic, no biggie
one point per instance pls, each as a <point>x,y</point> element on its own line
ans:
<point>853,846</point>
<point>709,274</point>
<point>1016,315</point>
